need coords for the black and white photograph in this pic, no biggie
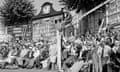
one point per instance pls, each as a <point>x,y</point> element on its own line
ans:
<point>59,35</point>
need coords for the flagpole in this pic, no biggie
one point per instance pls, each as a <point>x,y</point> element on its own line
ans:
<point>59,50</point>
<point>59,43</point>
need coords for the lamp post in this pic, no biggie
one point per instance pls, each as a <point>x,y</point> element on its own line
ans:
<point>59,36</point>
<point>59,49</point>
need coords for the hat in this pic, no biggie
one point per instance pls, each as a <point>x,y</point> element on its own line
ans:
<point>39,43</point>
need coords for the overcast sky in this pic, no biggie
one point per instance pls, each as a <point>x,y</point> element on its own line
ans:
<point>38,3</point>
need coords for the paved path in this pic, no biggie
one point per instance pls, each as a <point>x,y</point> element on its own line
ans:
<point>25,70</point>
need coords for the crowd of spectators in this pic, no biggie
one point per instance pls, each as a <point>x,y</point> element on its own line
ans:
<point>92,53</point>
<point>23,54</point>
<point>87,53</point>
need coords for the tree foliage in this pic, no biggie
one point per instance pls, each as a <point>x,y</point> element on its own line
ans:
<point>16,11</point>
<point>80,4</point>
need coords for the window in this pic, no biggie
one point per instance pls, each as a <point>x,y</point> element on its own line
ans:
<point>60,20</point>
<point>55,21</point>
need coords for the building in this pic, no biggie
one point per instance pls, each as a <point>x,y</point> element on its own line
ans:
<point>110,12</point>
<point>46,23</point>
<point>42,26</point>
<point>20,32</point>
<point>92,21</point>
<point>113,14</point>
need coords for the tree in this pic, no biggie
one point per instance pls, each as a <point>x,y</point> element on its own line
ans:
<point>80,4</point>
<point>16,11</point>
